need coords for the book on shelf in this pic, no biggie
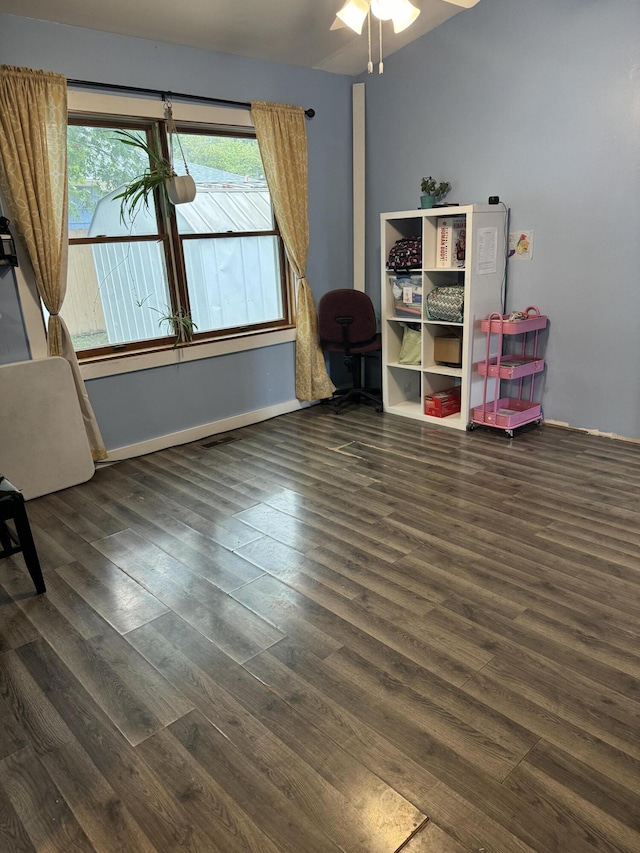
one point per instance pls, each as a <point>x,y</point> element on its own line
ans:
<point>451,245</point>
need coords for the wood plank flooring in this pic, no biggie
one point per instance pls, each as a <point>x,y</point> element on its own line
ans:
<point>351,634</point>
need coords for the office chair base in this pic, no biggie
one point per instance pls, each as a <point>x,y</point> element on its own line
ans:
<point>341,400</point>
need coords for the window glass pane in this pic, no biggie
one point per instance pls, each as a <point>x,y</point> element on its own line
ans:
<point>100,165</point>
<point>232,192</point>
<point>116,293</point>
<point>233,281</point>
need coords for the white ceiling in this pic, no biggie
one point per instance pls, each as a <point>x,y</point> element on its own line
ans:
<point>294,32</point>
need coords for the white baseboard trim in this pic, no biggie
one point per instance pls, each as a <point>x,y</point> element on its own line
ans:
<point>595,432</point>
<point>161,442</point>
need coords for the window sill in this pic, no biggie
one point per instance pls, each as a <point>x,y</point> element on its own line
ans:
<point>114,365</point>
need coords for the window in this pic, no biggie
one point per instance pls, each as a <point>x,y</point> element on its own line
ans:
<point>219,260</point>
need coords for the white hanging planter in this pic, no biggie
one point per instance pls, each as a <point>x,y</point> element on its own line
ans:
<point>181,189</point>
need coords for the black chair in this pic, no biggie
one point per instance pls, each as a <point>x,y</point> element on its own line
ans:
<point>12,508</point>
<point>347,325</point>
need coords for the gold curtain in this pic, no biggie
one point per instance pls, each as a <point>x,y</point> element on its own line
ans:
<point>33,179</point>
<point>282,138</point>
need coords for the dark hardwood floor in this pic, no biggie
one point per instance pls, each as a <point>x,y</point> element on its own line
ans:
<point>350,633</point>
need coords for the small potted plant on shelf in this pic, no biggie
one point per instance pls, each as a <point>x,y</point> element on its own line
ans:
<point>432,191</point>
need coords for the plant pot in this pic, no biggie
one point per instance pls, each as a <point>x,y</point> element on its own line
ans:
<point>427,201</point>
<point>181,189</point>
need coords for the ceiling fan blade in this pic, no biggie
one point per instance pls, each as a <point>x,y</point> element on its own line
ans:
<point>466,4</point>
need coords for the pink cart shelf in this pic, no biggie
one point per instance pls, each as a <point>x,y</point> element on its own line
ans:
<point>507,413</point>
<point>511,366</point>
<point>501,324</point>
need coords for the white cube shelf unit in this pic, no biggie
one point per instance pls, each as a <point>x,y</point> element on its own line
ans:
<point>406,385</point>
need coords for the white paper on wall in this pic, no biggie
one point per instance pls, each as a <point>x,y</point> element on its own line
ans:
<point>487,252</point>
<point>521,245</point>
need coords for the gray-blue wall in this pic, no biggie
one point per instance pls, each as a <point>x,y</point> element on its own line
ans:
<point>13,340</point>
<point>537,101</point>
<point>138,406</point>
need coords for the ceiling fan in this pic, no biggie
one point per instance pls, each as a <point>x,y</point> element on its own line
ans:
<point>402,13</point>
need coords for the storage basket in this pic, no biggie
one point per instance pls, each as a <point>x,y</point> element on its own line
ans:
<point>446,304</point>
<point>407,295</point>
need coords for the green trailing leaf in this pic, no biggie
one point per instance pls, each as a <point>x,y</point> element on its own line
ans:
<point>180,322</point>
<point>141,188</point>
<point>128,138</point>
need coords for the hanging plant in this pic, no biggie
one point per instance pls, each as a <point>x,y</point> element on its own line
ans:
<point>142,188</point>
<point>178,189</point>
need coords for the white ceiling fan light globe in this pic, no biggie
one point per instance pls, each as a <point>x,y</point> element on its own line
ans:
<point>385,9</point>
<point>404,16</point>
<point>353,14</point>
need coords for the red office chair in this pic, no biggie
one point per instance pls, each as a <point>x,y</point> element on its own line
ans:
<point>347,324</point>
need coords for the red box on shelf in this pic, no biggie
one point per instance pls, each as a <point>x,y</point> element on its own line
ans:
<point>440,404</point>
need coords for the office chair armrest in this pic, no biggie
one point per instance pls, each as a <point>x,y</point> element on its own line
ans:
<point>345,322</point>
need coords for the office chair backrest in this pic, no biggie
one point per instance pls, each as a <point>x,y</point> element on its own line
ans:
<point>346,303</point>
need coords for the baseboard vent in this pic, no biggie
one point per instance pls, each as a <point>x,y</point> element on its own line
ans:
<point>220,439</point>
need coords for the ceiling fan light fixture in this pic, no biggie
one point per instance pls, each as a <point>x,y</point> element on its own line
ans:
<point>404,16</point>
<point>384,10</point>
<point>353,15</point>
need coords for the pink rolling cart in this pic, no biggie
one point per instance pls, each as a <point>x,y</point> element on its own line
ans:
<point>507,413</point>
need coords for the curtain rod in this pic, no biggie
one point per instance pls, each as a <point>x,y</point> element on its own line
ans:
<point>114,87</point>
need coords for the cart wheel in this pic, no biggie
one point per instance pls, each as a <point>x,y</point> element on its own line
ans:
<point>470,427</point>
<point>509,433</point>
<point>379,409</point>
